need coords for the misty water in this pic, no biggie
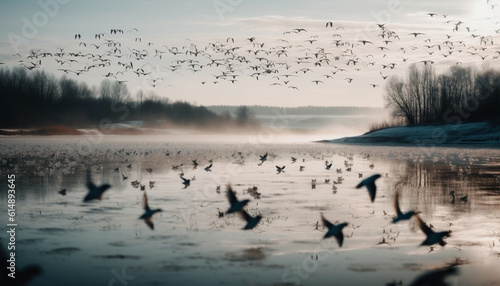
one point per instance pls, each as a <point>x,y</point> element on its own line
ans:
<point>104,242</point>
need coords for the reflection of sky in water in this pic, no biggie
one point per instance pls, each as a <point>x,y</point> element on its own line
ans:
<point>82,244</point>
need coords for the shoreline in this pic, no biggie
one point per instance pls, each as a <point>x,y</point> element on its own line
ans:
<point>479,134</point>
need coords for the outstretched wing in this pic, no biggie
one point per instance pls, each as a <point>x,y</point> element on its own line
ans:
<point>149,222</point>
<point>326,223</point>
<point>244,215</point>
<point>372,190</point>
<point>90,184</point>
<point>423,226</point>
<point>340,235</point>
<point>396,203</point>
<point>145,202</point>
<point>230,195</point>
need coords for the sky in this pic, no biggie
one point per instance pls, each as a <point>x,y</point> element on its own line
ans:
<point>187,51</point>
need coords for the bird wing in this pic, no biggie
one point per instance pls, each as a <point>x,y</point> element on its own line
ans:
<point>230,195</point>
<point>244,215</point>
<point>340,236</point>
<point>149,222</point>
<point>396,204</point>
<point>145,202</point>
<point>425,229</point>
<point>90,184</point>
<point>372,190</point>
<point>326,223</point>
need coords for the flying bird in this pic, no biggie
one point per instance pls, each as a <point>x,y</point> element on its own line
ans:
<point>280,169</point>
<point>434,277</point>
<point>148,212</point>
<point>370,185</point>
<point>334,230</point>
<point>263,158</point>
<point>251,221</point>
<point>95,192</point>
<point>208,168</point>
<point>399,214</point>
<point>432,237</point>
<point>235,205</point>
<point>186,182</point>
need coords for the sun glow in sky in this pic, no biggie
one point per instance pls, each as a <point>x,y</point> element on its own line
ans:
<point>187,51</point>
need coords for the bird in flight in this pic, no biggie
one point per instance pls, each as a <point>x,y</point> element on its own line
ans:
<point>186,182</point>
<point>251,221</point>
<point>148,212</point>
<point>328,166</point>
<point>263,158</point>
<point>208,168</point>
<point>334,230</point>
<point>434,277</point>
<point>432,237</point>
<point>95,192</point>
<point>370,185</point>
<point>280,169</point>
<point>235,205</point>
<point>399,214</point>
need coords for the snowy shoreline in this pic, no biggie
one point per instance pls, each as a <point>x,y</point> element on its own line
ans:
<point>482,134</point>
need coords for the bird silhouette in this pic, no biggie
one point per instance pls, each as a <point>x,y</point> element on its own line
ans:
<point>235,205</point>
<point>434,277</point>
<point>148,212</point>
<point>208,168</point>
<point>280,169</point>
<point>186,182</point>
<point>62,192</point>
<point>95,192</point>
<point>334,230</point>
<point>251,221</point>
<point>263,158</point>
<point>399,214</point>
<point>431,236</point>
<point>369,183</point>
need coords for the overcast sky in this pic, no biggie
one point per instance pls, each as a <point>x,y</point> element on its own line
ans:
<point>187,26</point>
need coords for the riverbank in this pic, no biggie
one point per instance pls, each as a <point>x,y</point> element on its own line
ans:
<point>477,133</point>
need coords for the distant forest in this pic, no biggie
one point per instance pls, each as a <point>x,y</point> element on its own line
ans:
<point>461,94</point>
<point>302,110</point>
<point>34,99</point>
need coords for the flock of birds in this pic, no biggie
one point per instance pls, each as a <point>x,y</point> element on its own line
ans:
<point>239,206</point>
<point>320,56</point>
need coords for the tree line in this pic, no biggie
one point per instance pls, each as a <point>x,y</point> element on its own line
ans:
<point>461,93</point>
<point>35,98</point>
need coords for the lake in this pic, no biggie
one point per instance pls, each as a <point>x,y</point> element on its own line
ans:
<point>104,242</point>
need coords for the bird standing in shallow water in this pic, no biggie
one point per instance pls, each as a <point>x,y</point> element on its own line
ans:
<point>148,214</point>
<point>334,230</point>
<point>95,192</point>
<point>370,185</point>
